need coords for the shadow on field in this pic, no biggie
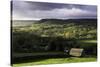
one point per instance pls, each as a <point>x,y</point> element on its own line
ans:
<point>35,58</point>
<point>44,57</point>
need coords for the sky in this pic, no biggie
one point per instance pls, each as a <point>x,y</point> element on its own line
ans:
<point>29,10</point>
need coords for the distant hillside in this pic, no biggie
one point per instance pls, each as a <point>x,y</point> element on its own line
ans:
<point>61,21</point>
<point>54,21</point>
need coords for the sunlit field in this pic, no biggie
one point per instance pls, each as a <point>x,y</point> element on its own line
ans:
<point>56,61</point>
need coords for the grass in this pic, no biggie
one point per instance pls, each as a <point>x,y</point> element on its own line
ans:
<point>56,61</point>
<point>88,41</point>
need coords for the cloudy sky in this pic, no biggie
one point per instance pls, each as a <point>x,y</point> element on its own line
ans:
<point>27,10</point>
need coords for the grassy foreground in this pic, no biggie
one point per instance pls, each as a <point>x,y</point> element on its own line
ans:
<point>56,61</point>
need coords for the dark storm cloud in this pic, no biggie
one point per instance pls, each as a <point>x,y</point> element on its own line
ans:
<point>49,6</point>
<point>27,9</point>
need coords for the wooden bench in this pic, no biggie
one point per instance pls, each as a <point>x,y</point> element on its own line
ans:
<point>76,52</point>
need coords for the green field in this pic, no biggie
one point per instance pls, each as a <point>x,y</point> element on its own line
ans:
<point>56,61</point>
<point>88,41</point>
